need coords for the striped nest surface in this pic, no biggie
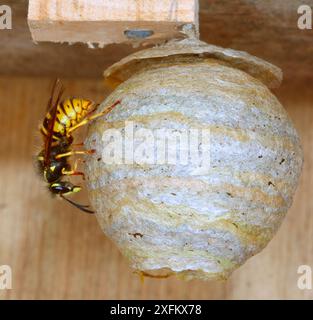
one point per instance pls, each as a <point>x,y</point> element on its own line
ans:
<point>173,219</point>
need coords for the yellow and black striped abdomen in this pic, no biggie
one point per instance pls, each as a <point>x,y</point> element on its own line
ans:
<point>69,113</point>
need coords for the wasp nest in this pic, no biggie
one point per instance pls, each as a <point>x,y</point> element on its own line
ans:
<point>166,218</point>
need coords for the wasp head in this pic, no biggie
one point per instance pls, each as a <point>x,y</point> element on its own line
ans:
<point>63,188</point>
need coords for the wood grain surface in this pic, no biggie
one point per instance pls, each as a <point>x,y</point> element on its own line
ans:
<point>267,29</point>
<point>104,22</point>
<point>57,252</point>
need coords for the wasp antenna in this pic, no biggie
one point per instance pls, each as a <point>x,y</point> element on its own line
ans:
<point>77,205</point>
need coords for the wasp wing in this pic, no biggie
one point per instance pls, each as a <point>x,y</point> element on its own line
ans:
<point>55,84</point>
<point>53,107</point>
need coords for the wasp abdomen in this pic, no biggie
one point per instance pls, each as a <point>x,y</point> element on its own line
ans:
<point>69,113</point>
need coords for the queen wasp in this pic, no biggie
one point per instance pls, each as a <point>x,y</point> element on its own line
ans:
<point>63,117</point>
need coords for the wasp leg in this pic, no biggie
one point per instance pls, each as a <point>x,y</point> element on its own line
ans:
<point>80,144</point>
<point>74,172</point>
<point>92,117</point>
<point>73,152</point>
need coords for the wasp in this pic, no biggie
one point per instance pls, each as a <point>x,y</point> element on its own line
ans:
<point>63,117</point>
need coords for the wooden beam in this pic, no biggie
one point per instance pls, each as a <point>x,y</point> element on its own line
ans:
<point>106,21</point>
<point>267,29</point>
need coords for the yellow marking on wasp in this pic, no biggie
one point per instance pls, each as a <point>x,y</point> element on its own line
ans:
<point>45,175</point>
<point>55,137</point>
<point>67,173</point>
<point>69,109</point>
<point>43,130</point>
<point>58,127</point>
<point>74,190</point>
<point>86,104</point>
<point>52,168</point>
<point>70,153</point>
<point>77,105</point>
<point>41,158</point>
<point>62,117</point>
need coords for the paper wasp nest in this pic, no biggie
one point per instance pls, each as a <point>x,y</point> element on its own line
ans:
<point>172,219</point>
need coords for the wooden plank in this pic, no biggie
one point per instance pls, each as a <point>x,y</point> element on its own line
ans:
<point>58,253</point>
<point>267,29</point>
<point>106,22</point>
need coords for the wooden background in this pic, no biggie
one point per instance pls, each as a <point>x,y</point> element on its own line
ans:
<point>58,253</point>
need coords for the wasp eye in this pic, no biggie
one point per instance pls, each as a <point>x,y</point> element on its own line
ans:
<point>56,187</point>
